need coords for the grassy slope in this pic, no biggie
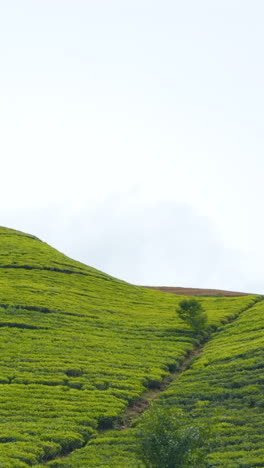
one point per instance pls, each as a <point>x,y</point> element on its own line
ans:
<point>77,346</point>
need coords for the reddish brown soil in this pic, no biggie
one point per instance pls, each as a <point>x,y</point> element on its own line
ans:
<point>196,291</point>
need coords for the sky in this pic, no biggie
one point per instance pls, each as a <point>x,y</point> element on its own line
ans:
<point>131,136</point>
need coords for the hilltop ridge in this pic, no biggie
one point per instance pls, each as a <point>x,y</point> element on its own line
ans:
<point>178,290</point>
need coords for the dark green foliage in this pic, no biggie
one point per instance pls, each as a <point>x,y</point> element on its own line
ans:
<point>166,440</point>
<point>192,312</point>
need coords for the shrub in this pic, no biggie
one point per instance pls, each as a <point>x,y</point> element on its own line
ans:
<point>192,312</point>
<point>166,440</point>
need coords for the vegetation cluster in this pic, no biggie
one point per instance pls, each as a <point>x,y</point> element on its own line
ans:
<point>165,440</point>
<point>192,312</point>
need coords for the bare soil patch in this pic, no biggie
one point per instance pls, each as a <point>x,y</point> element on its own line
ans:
<point>197,291</point>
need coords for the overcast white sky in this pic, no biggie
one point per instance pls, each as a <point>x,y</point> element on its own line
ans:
<point>132,135</point>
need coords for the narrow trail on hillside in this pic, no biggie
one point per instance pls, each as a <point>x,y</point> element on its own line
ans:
<point>143,402</point>
<point>133,412</point>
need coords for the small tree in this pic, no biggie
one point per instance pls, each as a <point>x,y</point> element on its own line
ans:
<point>166,441</point>
<point>192,312</point>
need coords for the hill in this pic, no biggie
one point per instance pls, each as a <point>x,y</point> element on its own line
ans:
<point>79,349</point>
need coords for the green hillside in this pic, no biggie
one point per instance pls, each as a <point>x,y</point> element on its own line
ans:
<point>78,347</point>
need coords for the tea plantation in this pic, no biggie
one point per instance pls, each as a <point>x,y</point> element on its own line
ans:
<point>78,347</point>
